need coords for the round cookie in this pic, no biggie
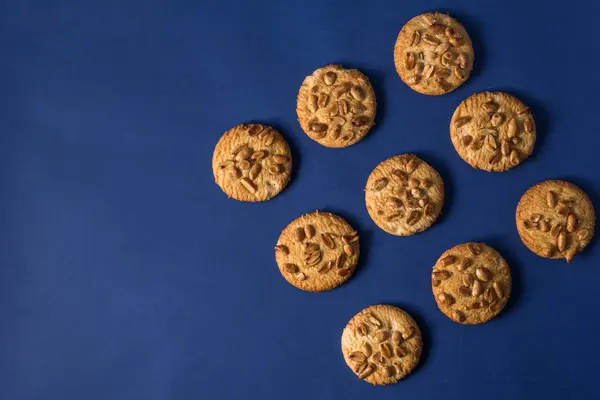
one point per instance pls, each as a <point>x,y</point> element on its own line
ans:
<point>382,344</point>
<point>317,252</point>
<point>555,219</point>
<point>252,162</point>
<point>404,195</point>
<point>493,131</point>
<point>433,54</point>
<point>471,283</point>
<point>336,106</point>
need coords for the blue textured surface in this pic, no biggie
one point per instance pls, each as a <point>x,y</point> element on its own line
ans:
<point>125,272</point>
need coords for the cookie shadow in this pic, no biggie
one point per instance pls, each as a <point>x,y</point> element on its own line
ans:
<point>365,239</point>
<point>516,272</point>
<point>477,35</point>
<point>377,79</point>
<point>440,166</point>
<point>589,188</point>
<point>286,130</point>
<point>425,334</point>
<point>539,112</point>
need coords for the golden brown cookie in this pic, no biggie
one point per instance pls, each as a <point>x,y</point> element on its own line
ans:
<point>252,162</point>
<point>336,106</point>
<point>433,54</point>
<point>555,219</point>
<point>382,344</point>
<point>493,131</point>
<point>471,283</point>
<point>317,252</point>
<point>404,195</point>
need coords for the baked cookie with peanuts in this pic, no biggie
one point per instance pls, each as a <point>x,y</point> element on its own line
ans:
<point>317,251</point>
<point>433,54</point>
<point>336,106</point>
<point>404,195</point>
<point>493,131</point>
<point>555,219</point>
<point>382,344</point>
<point>252,162</point>
<point>471,283</point>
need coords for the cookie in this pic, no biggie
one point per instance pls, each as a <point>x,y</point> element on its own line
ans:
<point>471,283</point>
<point>336,106</point>
<point>555,219</point>
<point>493,131</point>
<point>404,195</point>
<point>252,162</point>
<point>433,54</point>
<point>382,344</point>
<point>317,252</point>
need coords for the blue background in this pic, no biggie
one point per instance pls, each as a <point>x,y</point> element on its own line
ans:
<point>125,272</point>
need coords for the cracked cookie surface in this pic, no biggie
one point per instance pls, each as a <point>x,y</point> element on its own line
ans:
<point>471,283</point>
<point>493,131</point>
<point>336,106</point>
<point>433,54</point>
<point>382,344</point>
<point>555,219</point>
<point>317,251</point>
<point>252,162</point>
<point>404,195</point>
